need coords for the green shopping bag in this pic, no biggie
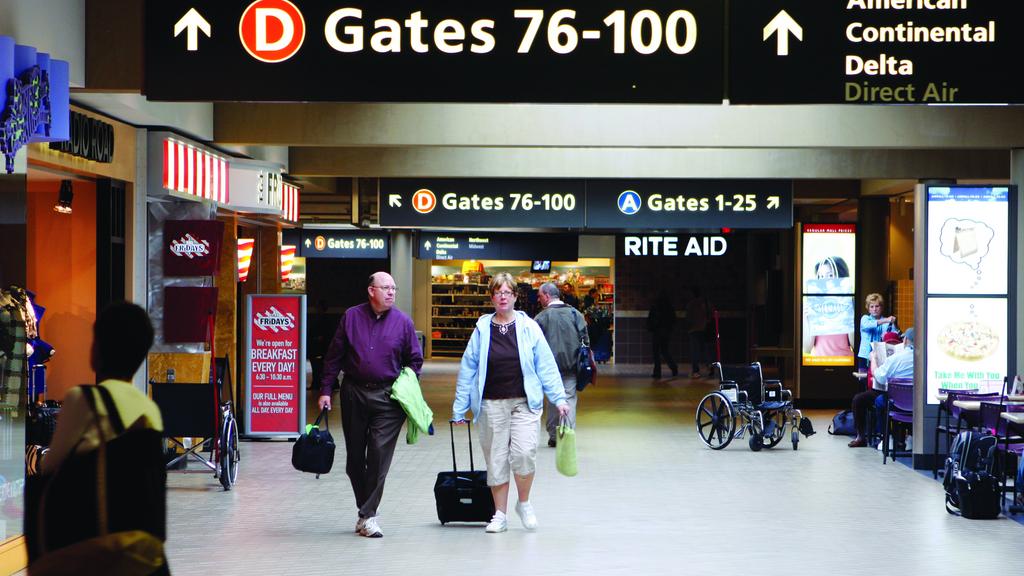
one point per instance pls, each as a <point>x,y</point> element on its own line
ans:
<point>565,450</point>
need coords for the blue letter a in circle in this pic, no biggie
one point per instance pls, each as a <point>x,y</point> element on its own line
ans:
<point>629,202</point>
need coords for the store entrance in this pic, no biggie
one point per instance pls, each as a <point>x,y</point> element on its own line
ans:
<point>459,295</point>
<point>332,286</point>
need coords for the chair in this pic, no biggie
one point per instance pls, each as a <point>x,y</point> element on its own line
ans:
<point>963,419</point>
<point>900,410</point>
<point>991,421</point>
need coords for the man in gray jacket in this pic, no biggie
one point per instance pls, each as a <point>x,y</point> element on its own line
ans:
<point>565,329</point>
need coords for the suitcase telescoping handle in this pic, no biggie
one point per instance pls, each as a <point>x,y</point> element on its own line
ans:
<point>451,427</point>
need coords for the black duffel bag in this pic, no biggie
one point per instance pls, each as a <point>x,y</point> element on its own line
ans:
<point>314,450</point>
<point>843,424</point>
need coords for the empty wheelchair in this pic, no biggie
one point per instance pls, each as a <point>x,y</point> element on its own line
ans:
<point>746,403</point>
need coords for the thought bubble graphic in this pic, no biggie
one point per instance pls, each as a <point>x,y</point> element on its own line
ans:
<point>965,241</point>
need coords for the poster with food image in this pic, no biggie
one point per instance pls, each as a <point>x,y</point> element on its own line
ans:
<point>968,231</point>
<point>828,331</point>
<point>828,258</point>
<point>967,347</point>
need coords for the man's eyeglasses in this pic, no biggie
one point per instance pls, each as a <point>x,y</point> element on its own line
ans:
<point>386,288</point>
<point>505,293</point>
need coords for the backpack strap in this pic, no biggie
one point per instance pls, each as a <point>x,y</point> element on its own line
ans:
<point>90,399</point>
<point>112,413</point>
<point>102,512</point>
<point>580,324</point>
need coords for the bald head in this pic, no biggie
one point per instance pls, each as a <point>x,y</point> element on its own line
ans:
<point>547,293</point>
<point>551,289</point>
<point>381,291</point>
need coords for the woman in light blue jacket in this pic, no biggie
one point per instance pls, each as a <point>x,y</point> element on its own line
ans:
<point>506,370</point>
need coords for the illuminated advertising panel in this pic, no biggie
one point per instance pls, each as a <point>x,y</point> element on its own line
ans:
<point>968,235</point>
<point>828,330</point>
<point>829,309</point>
<point>967,344</point>
<point>970,244</point>
<point>275,346</point>
<point>829,251</point>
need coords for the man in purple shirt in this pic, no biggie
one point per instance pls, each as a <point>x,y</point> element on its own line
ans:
<point>374,341</point>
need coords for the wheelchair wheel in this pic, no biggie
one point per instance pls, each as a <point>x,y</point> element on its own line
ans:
<point>796,438</point>
<point>774,429</point>
<point>229,455</point>
<point>716,421</point>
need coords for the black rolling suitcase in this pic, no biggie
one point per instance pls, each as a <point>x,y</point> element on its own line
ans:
<point>463,496</point>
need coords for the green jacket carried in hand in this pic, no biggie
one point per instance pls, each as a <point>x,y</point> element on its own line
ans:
<point>406,391</point>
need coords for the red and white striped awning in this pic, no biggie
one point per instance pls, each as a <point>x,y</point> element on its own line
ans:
<point>189,170</point>
<point>290,202</point>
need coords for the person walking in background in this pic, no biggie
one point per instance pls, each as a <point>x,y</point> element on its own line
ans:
<point>660,320</point>
<point>697,317</point>
<point>372,344</point>
<point>872,326</point>
<point>506,370</point>
<point>565,330</point>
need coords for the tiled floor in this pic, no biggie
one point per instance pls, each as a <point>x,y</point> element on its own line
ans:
<point>649,499</point>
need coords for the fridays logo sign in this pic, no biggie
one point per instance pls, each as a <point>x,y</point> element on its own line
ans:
<point>192,247</point>
<point>189,247</point>
<point>274,321</point>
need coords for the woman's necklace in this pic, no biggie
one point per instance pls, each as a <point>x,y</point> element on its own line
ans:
<point>503,328</point>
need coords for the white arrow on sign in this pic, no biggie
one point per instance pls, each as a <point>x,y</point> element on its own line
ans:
<point>193,22</point>
<point>395,200</point>
<point>783,25</point>
<point>773,202</point>
<point>427,245</point>
<point>308,243</point>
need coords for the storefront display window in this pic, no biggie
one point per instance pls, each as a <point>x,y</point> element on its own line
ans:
<point>15,327</point>
<point>459,296</point>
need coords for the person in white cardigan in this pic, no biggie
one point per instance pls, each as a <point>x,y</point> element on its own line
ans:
<point>506,370</point>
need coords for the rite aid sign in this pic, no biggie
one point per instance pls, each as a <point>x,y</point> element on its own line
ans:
<point>674,246</point>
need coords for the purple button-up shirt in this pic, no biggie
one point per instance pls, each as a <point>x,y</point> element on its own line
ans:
<point>371,348</point>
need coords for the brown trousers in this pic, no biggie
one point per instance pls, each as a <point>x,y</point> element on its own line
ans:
<point>371,422</point>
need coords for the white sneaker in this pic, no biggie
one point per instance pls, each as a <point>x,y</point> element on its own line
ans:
<point>371,529</point>
<point>525,512</point>
<point>498,523</point>
<point>360,523</point>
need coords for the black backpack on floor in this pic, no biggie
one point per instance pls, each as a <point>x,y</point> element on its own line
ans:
<point>972,491</point>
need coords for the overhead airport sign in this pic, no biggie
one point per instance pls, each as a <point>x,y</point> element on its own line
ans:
<point>341,243</point>
<point>874,51</point>
<point>481,203</point>
<point>673,204</point>
<point>663,51</point>
<point>492,246</point>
